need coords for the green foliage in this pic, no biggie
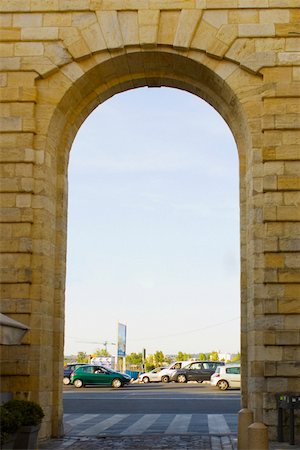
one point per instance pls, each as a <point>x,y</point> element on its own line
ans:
<point>158,358</point>
<point>203,356</point>
<point>29,413</point>
<point>10,422</point>
<point>82,357</point>
<point>102,352</point>
<point>214,356</point>
<point>134,359</point>
<point>183,356</point>
<point>237,357</point>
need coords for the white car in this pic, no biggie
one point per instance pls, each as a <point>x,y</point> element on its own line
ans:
<point>228,376</point>
<point>166,373</point>
<point>152,376</point>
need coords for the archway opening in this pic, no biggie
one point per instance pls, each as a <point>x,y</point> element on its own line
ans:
<point>153,229</point>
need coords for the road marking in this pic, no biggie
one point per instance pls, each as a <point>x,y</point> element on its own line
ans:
<point>141,425</point>
<point>81,419</point>
<point>179,424</point>
<point>217,424</point>
<point>102,426</point>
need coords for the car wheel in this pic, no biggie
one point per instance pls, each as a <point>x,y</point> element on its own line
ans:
<point>78,383</point>
<point>165,379</point>
<point>146,380</point>
<point>181,379</point>
<point>116,383</point>
<point>66,380</point>
<point>199,381</point>
<point>223,385</point>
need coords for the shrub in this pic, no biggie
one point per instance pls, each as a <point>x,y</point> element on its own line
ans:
<point>10,422</point>
<point>30,412</point>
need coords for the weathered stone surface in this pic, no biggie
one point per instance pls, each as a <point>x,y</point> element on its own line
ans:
<point>59,60</point>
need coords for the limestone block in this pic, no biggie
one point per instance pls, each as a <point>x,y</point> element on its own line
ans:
<point>256,30</point>
<point>124,4</point>
<point>10,34</point>
<point>238,16</point>
<point>69,5</point>
<point>288,58</point>
<point>215,4</point>
<point>29,49</point>
<point>187,24</point>
<point>253,3</point>
<point>216,18</point>
<point>287,369</point>
<point>289,276</point>
<point>27,20</point>
<point>289,182</point>
<point>44,5</point>
<point>8,124</point>
<point>292,44</point>
<point>57,19</point>
<point>128,21</point>
<point>38,34</point>
<point>284,152</point>
<point>6,49</point>
<point>204,36</point>
<point>288,244</point>
<point>94,38</point>
<point>110,27</point>
<point>148,27</point>
<point>241,48</point>
<point>274,16</point>
<point>171,4</point>
<point>290,305</point>
<point>73,71</point>
<point>288,213</point>
<point>57,53</point>
<point>83,20</point>
<point>13,63</point>
<point>80,49</point>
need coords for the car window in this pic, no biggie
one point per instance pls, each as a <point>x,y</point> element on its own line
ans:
<point>209,365</point>
<point>234,370</point>
<point>88,369</point>
<point>196,366</point>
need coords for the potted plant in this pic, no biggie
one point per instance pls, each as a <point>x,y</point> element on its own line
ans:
<point>30,416</point>
<point>10,423</point>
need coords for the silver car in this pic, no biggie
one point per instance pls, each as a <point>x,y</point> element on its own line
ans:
<point>228,376</point>
<point>151,376</point>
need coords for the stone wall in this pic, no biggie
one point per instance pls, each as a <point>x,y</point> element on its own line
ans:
<point>62,58</point>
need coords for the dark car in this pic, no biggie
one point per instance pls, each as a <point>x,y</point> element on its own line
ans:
<point>97,375</point>
<point>196,371</point>
<point>68,369</point>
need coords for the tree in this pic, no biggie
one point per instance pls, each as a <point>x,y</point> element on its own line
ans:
<point>203,356</point>
<point>183,356</point>
<point>237,357</point>
<point>158,358</point>
<point>134,359</point>
<point>214,356</point>
<point>102,352</point>
<point>82,357</point>
<point>150,363</point>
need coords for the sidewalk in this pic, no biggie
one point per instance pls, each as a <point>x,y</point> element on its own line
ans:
<point>148,442</point>
<point>157,442</point>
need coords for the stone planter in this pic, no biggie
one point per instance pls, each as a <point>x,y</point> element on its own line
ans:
<point>9,442</point>
<point>26,437</point>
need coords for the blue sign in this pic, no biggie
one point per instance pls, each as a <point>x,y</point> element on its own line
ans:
<point>121,339</point>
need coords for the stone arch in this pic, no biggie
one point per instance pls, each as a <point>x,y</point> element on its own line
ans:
<point>61,60</point>
<point>113,75</point>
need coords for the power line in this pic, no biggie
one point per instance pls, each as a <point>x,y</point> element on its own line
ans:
<point>185,332</point>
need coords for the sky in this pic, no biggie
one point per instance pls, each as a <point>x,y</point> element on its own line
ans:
<point>153,227</point>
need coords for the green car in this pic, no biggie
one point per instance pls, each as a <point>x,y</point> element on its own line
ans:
<point>92,375</point>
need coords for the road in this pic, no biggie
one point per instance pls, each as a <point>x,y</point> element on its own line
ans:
<point>154,398</point>
<point>151,409</point>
